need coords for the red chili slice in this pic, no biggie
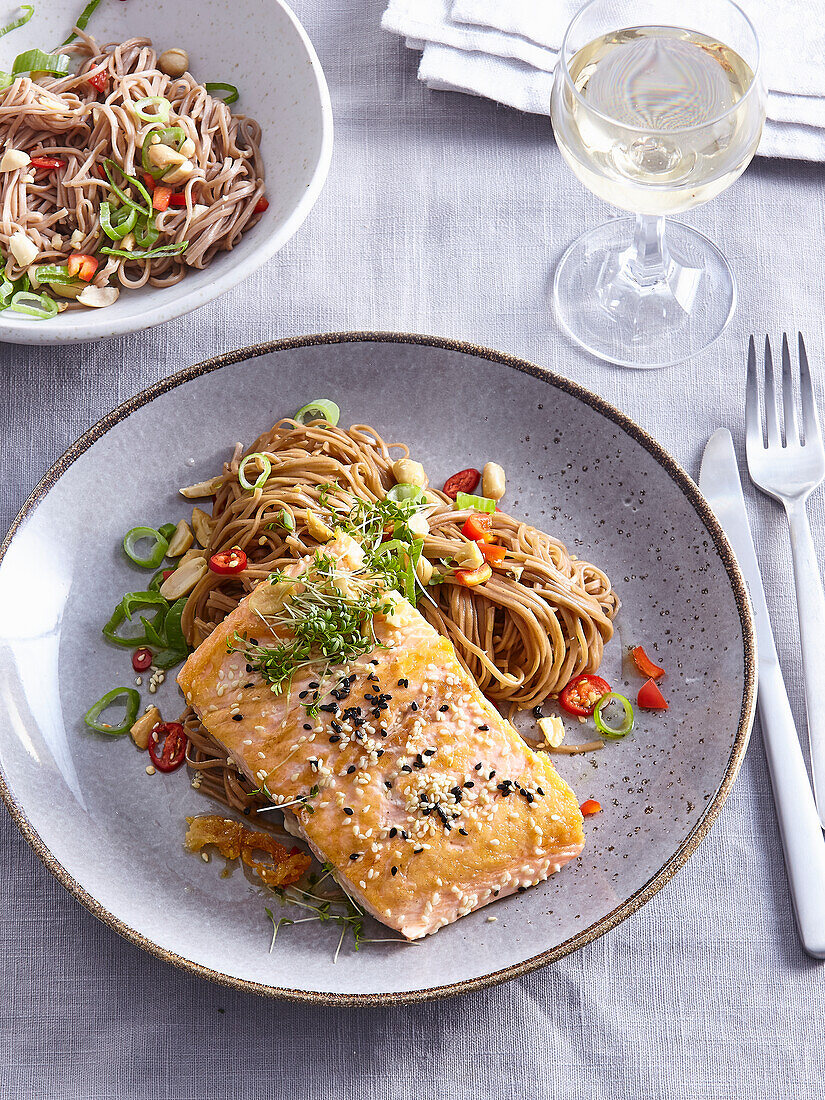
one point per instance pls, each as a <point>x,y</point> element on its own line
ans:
<point>262,205</point>
<point>173,752</point>
<point>98,80</point>
<point>178,198</point>
<point>160,198</point>
<point>228,561</point>
<point>142,659</point>
<point>582,693</point>
<point>465,481</point>
<point>47,163</point>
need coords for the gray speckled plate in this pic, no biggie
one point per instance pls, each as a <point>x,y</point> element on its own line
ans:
<point>576,466</point>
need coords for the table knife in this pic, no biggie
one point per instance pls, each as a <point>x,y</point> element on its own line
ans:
<point>802,839</point>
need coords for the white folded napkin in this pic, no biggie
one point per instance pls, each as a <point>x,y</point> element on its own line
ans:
<point>507,52</point>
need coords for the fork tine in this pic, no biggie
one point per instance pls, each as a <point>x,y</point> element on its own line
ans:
<point>810,417</point>
<point>771,419</point>
<point>753,422</point>
<point>789,405</point>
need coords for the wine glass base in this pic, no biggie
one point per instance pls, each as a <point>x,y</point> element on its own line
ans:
<point>654,324</point>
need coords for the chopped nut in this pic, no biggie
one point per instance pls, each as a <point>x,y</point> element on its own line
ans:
<point>470,557</point>
<point>14,159</point>
<point>317,528</point>
<point>419,525</point>
<point>181,540</point>
<point>407,472</point>
<point>553,730</point>
<point>98,296</point>
<point>206,488</point>
<point>492,481</point>
<point>23,250</point>
<point>424,570</point>
<point>173,62</point>
<point>203,525</point>
<point>183,580</point>
<point>143,727</point>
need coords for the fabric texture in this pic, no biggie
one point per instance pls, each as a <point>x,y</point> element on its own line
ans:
<point>507,52</point>
<point>445,215</point>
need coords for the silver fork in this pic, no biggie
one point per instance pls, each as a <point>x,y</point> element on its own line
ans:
<point>789,469</point>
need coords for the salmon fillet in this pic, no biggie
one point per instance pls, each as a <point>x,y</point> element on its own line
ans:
<point>426,802</point>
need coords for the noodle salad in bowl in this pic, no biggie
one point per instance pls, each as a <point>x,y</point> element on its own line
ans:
<point>132,188</point>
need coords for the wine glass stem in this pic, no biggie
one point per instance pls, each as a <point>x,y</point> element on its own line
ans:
<point>649,263</point>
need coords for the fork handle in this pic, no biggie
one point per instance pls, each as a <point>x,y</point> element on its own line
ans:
<point>810,604</point>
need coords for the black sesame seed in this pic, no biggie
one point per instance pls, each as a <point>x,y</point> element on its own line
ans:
<point>469,783</point>
<point>444,707</point>
<point>246,810</point>
<point>303,694</point>
<point>478,767</point>
<point>463,832</point>
<point>417,851</point>
<point>393,831</point>
<point>406,768</point>
<point>521,889</point>
<point>403,682</point>
<point>334,738</point>
<point>330,708</point>
<point>483,728</point>
<point>307,726</point>
<point>314,684</point>
<point>251,684</point>
<point>492,775</point>
<point>350,769</point>
<point>405,834</point>
<point>355,855</point>
<point>388,784</point>
<point>379,752</point>
<point>348,811</point>
<point>537,712</point>
<point>394,871</point>
<point>237,718</point>
<point>249,668</point>
<point>413,706</point>
<point>373,662</point>
<point>429,752</point>
<point>540,791</point>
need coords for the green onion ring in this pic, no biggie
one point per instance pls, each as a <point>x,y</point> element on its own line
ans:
<point>35,61</point>
<point>173,136</point>
<point>117,231</point>
<point>132,703</point>
<point>614,732</point>
<point>142,254</point>
<point>155,556</point>
<point>108,165</point>
<point>478,504</point>
<point>28,12</point>
<point>82,20</point>
<point>54,273</point>
<point>321,409</point>
<point>34,305</point>
<point>162,113</point>
<point>263,477</point>
<point>146,232</point>
<point>217,86</point>
<point>400,493</point>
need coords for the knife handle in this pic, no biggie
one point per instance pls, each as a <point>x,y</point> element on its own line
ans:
<point>802,839</point>
<point>810,606</point>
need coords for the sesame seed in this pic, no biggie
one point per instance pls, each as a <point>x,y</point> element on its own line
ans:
<point>150,770</point>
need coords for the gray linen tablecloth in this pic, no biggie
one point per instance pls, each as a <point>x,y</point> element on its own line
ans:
<point>444,215</point>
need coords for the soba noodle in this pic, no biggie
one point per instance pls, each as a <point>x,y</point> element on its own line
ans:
<point>523,636</point>
<point>67,118</point>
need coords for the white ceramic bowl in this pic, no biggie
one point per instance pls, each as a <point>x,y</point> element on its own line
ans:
<point>258,45</point>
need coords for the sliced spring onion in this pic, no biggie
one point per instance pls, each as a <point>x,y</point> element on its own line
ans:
<point>155,556</point>
<point>399,493</point>
<point>144,254</point>
<point>146,232</point>
<point>152,633</point>
<point>131,701</point>
<point>173,136</point>
<point>322,409</point>
<point>53,273</point>
<point>478,504</point>
<point>218,87</point>
<point>174,644</point>
<point>118,225</point>
<point>7,289</point>
<point>167,530</point>
<point>287,520</point>
<point>82,20</point>
<point>28,12</point>
<point>40,306</point>
<point>599,718</point>
<point>35,61</point>
<point>161,103</point>
<point>263,477</point>
<point>108,165</point>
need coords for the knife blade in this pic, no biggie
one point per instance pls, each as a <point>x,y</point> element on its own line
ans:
<point>802,839</point>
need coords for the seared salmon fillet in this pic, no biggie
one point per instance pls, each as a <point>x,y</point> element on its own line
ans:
<point>426,802</point>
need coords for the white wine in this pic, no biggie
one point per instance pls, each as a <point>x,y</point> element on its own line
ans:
<point>661,121</point>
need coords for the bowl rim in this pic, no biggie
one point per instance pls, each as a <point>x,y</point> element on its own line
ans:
<point>587,935</point>
<point>95,325</point>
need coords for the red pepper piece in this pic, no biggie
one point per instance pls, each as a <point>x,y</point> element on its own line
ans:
<point>477,528</point>
<point>82,266</point>
<point>261,206</point>
<point>650,697</point>
<point>47,164</point>
<point>99,80</point>
<point>160,197</point>
<point>590,806</point>
<point>645,665</point>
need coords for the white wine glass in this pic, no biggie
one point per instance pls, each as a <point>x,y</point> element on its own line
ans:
<point>657,106</point>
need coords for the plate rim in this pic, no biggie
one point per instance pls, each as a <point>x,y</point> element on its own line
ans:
<point>587,935</point>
